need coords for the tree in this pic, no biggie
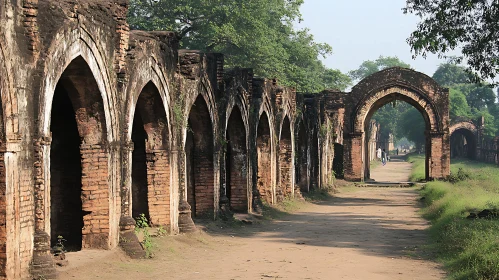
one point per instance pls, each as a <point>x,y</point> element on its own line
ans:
<point>412,126</point>
<point>370,67</point>
<point>450,74</point>
<point>256,34</point>
<point>458,105</point>
<point>469,25</point>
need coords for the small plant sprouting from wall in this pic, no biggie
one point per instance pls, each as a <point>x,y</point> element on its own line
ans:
<point>142,226</point>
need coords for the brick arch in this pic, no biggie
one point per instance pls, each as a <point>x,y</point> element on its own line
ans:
<point>265,150</point>
<point>147,71</point>
<point>205,91</point>
<point>380,97</point>
<point>77,42</point>
<point>383,87</point>
<point>200,144</point>
<point>236,160</point>
<point>468,125</point>
<point>469,133</point>
<point>150,170</point>
<point>98,226</point>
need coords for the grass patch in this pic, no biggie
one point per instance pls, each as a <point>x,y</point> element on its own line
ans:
<point>418,173</point>
<point>280,210</point>
<point>469,248</point>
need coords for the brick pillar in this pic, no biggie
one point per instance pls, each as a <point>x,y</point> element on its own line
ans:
<point>158,184</point>
<point>185,223</point>
<point>42,264</point>
<point>126,170</point>
<point>439,160</point>
<point>95,196</point>
<point>285,170</point>
<point>352,161</point>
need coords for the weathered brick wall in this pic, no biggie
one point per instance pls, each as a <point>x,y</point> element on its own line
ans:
<point>85,46</point>
<point>95,196</point>
<point>158,181</point>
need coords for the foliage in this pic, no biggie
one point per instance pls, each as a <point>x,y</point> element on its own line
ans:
<point>467,25</point>
<point>142,226</point>
<point>257,34</point>
<point>370,67</point>
<point>467,247</point>
<point>418,172</point>
<point>412,126</point>
<point>467,99</point>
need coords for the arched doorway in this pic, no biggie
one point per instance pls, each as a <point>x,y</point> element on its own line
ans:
<point>387,86</point>
<point>150,158</point>
<point>79,192</point>
<point>285,187</point>
<point>199,159</point>
<point>237,162</point>
<point>463,140</point>
<point>264,159</point>
<point>301,164</point>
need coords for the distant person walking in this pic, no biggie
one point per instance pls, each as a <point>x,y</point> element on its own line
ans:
<point>383,157</point>
<point>397,151</point>
<point>378,153</point>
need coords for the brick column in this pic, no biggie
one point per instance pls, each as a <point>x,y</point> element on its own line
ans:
<point>95,196</point>
<point>185,223</point>
<point>42,264</point>
<point>352,160</point>
<point>439,160</point>
<point>158,184</point>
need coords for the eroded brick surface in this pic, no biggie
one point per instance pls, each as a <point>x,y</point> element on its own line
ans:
<point>148,128</point>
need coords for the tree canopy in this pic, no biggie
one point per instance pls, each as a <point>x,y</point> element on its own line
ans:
<point>468,100</point>
<point>256,34</point>
<point>369,67</point>
<point>467,25</point>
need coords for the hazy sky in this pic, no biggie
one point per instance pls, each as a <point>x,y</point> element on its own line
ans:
<point>360,30</point>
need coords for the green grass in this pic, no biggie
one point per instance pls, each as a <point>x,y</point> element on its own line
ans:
<point>469,248</point>
<point>418,167</point>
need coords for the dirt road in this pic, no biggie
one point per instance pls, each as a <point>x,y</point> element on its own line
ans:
<point>396,170</point>
<point>366,233</point>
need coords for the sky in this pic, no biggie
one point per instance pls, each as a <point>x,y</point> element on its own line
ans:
<point>360,30</point>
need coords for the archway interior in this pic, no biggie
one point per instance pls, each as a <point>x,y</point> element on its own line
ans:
<point>463,144</point>
<point>338,161</point>
<point>78,161</point>
<point>301,165</point>
<point>140,203</point>
<point>199,155</point>
<point>412,120</point>
<point>236,162</point>
<point>150,158</point>
<point>285,162</point>
<point>264,160</point>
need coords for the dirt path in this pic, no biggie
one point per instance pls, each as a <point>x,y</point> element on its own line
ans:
<point>396,170</point>
<point>366,233</point>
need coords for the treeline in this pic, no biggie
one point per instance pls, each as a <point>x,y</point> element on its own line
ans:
<point>256,34</point>
<point>260,34</point>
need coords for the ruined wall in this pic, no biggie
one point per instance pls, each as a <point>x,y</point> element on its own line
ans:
<point>100,124</point>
